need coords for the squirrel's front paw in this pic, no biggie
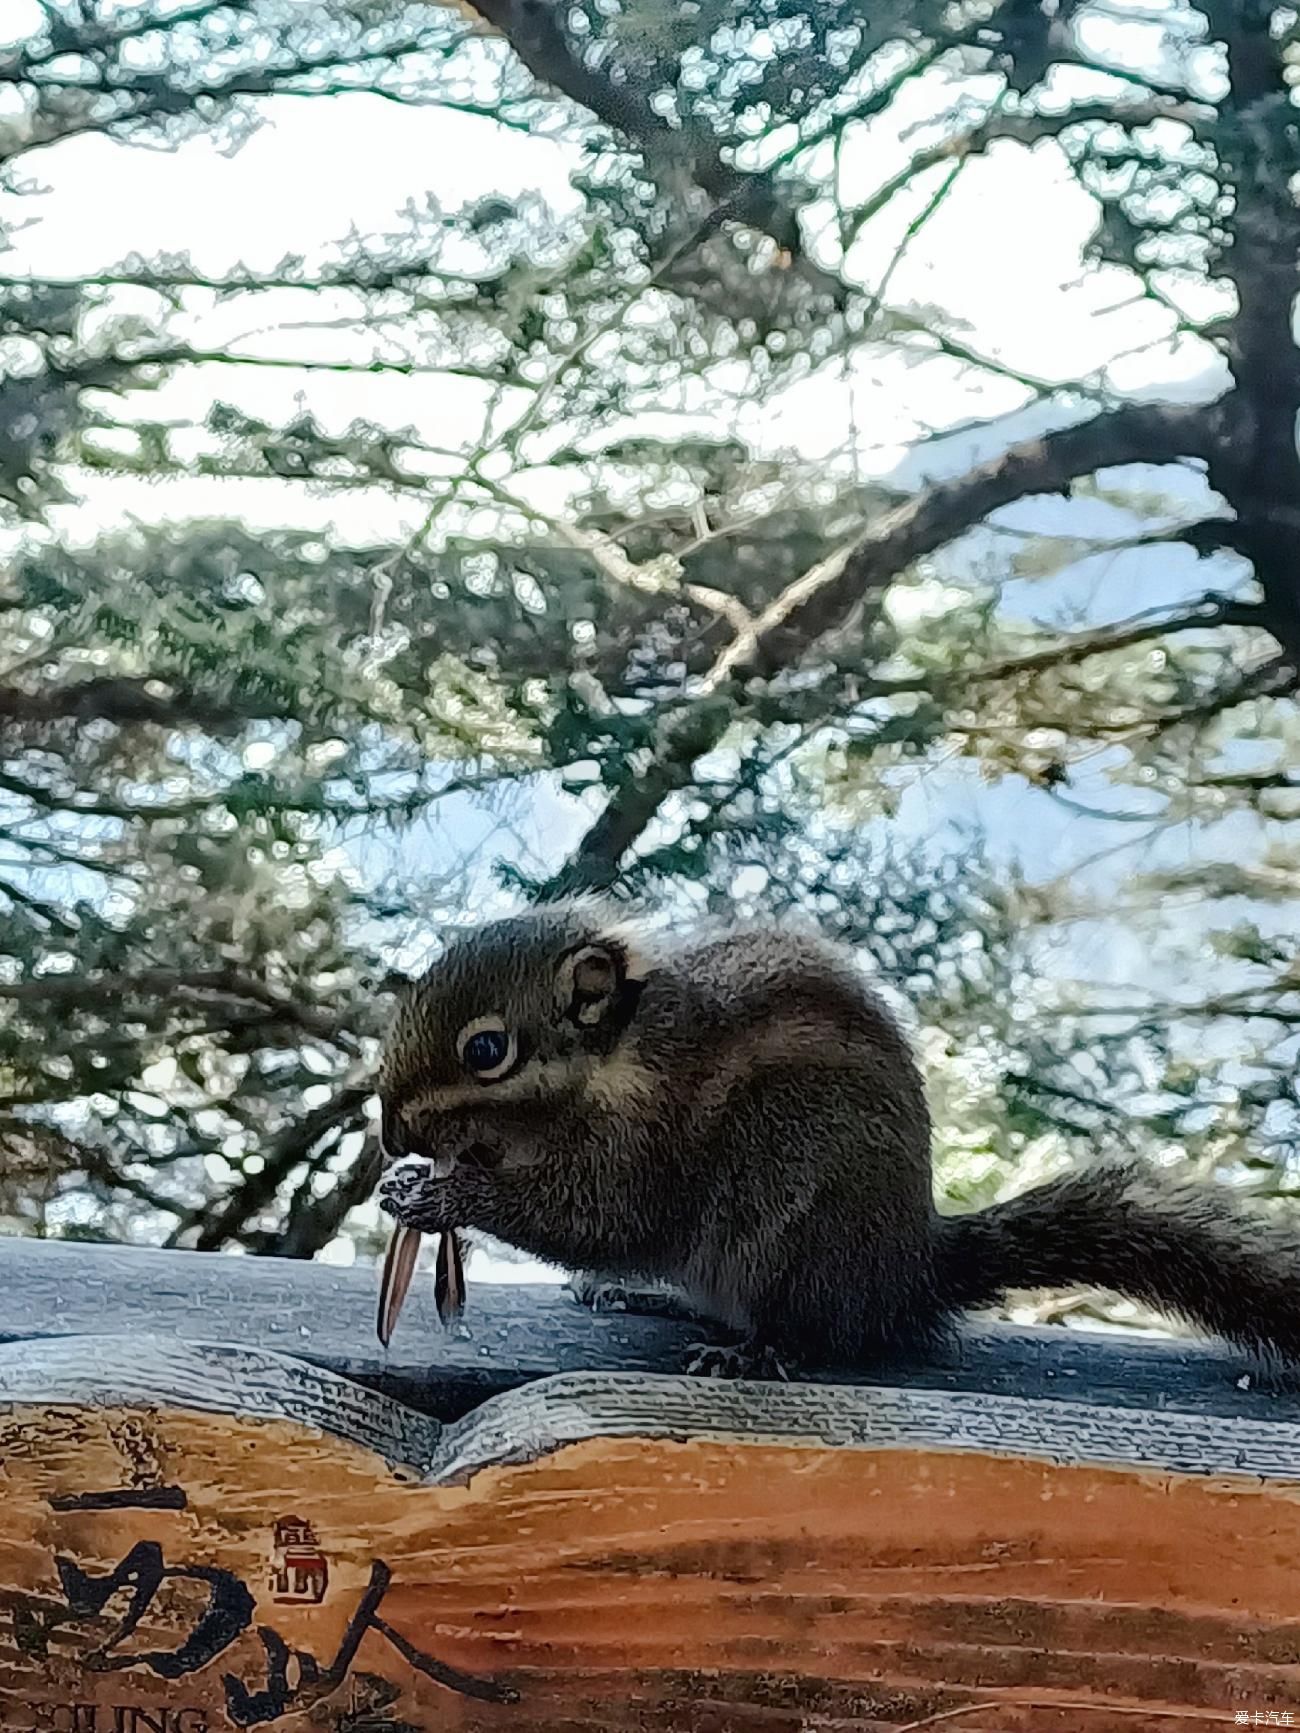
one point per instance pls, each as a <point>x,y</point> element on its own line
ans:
<point>603,1294</point>
<point>414,1194</point>
<point>744,1360</point>
<point>598,1294</point>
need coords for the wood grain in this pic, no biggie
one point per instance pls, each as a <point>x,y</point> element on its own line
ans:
<point>512,1334</point>
<point>610,1551</point>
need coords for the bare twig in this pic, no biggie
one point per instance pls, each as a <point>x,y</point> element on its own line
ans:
<point>116,990</point>
<point>297,1142</point>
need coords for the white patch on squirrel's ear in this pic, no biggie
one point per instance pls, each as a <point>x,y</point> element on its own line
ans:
<point>631,940</point>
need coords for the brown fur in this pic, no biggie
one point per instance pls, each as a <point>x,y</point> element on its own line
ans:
<point>740,1117</point>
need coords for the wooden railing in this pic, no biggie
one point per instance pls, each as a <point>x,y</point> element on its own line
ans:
<point>222,1506</point>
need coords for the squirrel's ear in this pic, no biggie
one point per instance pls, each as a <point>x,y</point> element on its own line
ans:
<point>591,983</point>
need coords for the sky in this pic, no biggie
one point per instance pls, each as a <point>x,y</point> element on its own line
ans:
<point>318,167</point>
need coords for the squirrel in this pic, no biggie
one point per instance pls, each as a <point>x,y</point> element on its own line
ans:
<point>736,1116</point>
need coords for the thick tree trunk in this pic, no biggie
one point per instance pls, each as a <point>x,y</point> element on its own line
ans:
<point>1257,467</point>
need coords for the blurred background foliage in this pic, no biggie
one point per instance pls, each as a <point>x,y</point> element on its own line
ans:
<point>653,503</point>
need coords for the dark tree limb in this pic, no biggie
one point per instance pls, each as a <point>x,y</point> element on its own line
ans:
<point>104,992</point>
<point>1258,472</point>
<point>1254,781</point>
<point>126,702</point>
<point>857,578</point>
<point>312,1222</point>
<point>1135,433</point>
<point>299,1141</point>
<point>755,199</point>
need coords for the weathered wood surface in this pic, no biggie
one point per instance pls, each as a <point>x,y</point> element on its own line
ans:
<point>196,1538</point>
<point>512,1334</point>
<point>609,1551</point>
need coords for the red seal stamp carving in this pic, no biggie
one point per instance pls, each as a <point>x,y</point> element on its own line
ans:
<point>299,1572</point>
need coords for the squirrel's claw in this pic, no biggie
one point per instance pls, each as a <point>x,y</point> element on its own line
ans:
<point>749,1359</point>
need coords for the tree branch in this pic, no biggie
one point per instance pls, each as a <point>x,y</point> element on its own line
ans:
<point>295,1143</point>
<point>312,1222</point>
<point>108,370</point>
<point>1254,781</point>
<point>88,992</point>
<point>1259,472</point>
<point>147,97</point>
<point>303,798</point>
<point>1244,1004</point>
<point>1210,612</point>
<point>1136,433</point>
<point>857,577</point>
<point>72,1154</point>
<point>37,906</point>
<point>753,199</point>
<point>126,702</point>
<point>1028,129</point>
<point>361,277</point>
<point>98,1166</point>
<point>91,40</point>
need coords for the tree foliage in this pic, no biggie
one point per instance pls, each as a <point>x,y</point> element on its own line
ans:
<point>732,670</point>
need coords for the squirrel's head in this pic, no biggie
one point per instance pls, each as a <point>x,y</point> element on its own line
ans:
<point>511,1038</point>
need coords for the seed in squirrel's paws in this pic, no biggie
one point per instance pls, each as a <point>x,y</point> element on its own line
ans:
<point>449,1278</point>
<point>399,1267</point>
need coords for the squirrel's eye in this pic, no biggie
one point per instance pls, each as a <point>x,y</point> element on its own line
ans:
<point>487,1048</point>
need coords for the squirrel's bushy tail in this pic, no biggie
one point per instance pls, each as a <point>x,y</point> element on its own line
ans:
<point>1191,1253</point>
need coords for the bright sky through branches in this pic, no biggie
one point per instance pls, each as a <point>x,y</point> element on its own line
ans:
<point>319,167</point>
